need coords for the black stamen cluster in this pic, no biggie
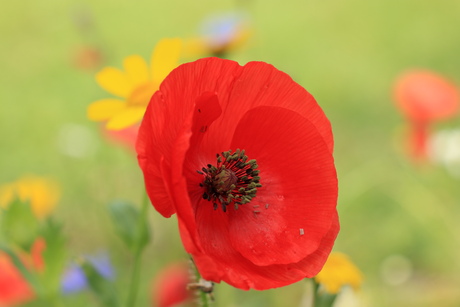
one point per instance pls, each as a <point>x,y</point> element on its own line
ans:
<point>235,179</point>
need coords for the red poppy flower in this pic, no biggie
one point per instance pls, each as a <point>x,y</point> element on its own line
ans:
<point>243,155</point>
<point>425,97</point>
<point>170,286</point>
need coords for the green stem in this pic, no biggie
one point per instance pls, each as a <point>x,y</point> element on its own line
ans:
<point>134,284</point>
<point>320,298</point>
<point>315,292</point>
<point>135,275</point>
<point>203,296</point>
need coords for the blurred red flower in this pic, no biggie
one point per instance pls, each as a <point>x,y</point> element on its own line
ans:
<point>425,97</point>
<point>14,289</point>
<point>243,155</point>
<point>169,287</point>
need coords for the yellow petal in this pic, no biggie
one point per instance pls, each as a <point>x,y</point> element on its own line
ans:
<point>165,57</point>
<point>136,70</point>
<point>126,118</point>
<point>337,272</point>
<point>114,81</point>
<point>194,47</point>
<point>42,193</point>
<point>105,109</point>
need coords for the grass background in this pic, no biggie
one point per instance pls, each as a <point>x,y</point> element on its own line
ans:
<point>346,53</point>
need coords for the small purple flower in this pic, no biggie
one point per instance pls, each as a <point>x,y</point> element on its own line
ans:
<point>74,279</point>
<point>222,32</point>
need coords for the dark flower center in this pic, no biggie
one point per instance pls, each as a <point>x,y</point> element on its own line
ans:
<point>234,180</point>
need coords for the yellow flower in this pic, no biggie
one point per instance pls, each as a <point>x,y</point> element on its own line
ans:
<point>42,193</point>
<point>135,85</point>
<point>338,272</point>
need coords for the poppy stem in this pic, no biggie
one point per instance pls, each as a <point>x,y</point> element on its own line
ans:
<point>135,275</point>
<point>320,298</point>
<point>204,299</point>
<point>419,140</point>
<point>203,288</point>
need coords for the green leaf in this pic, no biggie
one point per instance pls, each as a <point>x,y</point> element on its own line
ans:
<point>19,224</point>
<point>101,287</point>
<point>54,255</point>
<point>130,225</point>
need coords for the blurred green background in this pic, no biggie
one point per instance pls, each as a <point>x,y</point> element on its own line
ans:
<point>399,220</point>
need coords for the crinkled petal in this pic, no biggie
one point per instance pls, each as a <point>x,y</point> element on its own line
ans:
<point>136,70</point>
<point>261,84</point>
<point>210,235</point>
<point>238,89</point>
<point>292,211</point>
<point>165,58</point>
<point>300,188</point>
<point>151,157</point>
<point>114,81</point>
<point>165,120</point>
<point>236,270</point>
<point>125,118</point>
<point>104,109</point>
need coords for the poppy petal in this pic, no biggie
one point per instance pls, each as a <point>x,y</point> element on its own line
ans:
<point>292,211</point>
<point>151,158</point>
<point>165,58</point>
<point>263,84</point>
<point>236,270</point>
<point>114,81</point>
<point>104,109</point>
<point>240,88</point>
<point>208,234</point>
<point>293,207</point>
<point>165,120</point>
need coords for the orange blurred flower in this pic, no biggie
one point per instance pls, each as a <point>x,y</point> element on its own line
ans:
<point>43,193</point>
<point>134,86</point>
<point>339,271</point>
<point>87,58</point>
<point>14,289</point>
<point>424,97</point>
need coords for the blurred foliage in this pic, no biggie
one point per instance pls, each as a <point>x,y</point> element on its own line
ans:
<point>129,225</point>
<point>101,286</point>
<point>13,218</point>
<point>346,53</point>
